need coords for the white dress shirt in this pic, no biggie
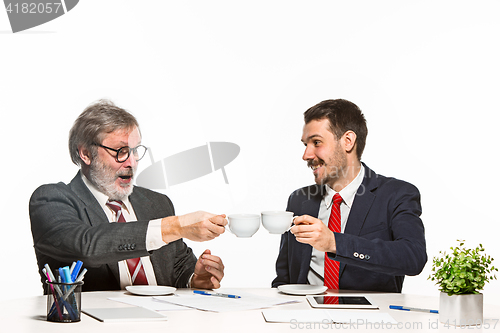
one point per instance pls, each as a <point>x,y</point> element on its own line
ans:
<point>153,235</point>
<point>317,267</point>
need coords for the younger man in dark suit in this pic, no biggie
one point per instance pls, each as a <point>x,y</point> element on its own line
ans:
<point>73,222</point>
<point>368,225</point>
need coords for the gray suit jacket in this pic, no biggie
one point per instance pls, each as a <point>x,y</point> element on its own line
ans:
<point>68,224</point>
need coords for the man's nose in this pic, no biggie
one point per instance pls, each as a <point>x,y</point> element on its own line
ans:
<point>308,154</point>
<point>131,162</point>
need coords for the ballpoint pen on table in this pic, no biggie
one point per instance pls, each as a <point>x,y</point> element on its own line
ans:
<point>407,308</point>
<point>201,292</point>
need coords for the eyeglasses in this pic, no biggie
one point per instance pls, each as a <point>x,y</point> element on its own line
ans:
<point>123,153</point>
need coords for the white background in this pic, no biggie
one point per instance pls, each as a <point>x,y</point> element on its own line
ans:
<point>425,73</point>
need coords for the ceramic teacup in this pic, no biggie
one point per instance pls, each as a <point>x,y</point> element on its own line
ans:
<point>244,225</point>
<point>277,222</point>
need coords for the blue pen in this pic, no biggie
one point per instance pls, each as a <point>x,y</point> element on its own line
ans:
<point>62,277</point>
<point>76,270</point>
<point>201,292</point>
<point>407,308</point>
<point>67,275</point>
<point>78,279</point>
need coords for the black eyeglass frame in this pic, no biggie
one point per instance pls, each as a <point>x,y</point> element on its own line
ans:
<point>130,150</point>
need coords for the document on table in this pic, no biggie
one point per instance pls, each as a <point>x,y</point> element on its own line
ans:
<point>327,316</point>
<point>247,301</point>
<point>148,303</point>
<point>124,314</point>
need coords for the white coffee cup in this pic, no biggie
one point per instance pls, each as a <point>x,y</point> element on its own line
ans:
<point>244,225</point>
<point>277,222</point>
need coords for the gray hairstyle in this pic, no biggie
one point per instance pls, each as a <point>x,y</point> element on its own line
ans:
<point>97,120</point>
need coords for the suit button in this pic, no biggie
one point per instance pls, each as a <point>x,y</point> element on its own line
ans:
<point>361,256</point>
<point>132,247</point>
<point>367,257</point>
<point>356,254</point>
<point>120,247</point>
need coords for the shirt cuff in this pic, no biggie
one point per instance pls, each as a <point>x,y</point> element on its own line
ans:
<point>154,238</point>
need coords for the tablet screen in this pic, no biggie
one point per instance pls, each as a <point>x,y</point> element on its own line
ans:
<point>347,300</point>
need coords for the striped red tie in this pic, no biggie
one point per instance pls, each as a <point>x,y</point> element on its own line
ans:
<point>332,266</point>
<point>134,265</point>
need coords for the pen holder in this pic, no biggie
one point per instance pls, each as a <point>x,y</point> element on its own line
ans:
<point>64,301</point>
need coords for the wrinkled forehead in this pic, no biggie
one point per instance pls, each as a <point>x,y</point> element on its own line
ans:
<point>122,137</point>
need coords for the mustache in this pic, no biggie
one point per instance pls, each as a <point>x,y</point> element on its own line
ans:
<point>315,162</point>
<point>125,173</point>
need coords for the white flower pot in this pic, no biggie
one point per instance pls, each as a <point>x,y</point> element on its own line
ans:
<point>461,310</point>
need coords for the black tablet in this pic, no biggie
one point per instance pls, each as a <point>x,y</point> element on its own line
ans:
<point>342,302</point>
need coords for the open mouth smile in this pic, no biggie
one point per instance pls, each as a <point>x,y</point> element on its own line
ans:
<point>125,178</point>
<point>315,165</point>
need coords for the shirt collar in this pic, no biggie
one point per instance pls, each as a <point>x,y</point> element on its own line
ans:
<point>101,197</point>
<point>347,193</point>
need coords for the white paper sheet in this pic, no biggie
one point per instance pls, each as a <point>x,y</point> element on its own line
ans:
<point>149,303</point>
<point>124,314</point>
<point>222,304</point>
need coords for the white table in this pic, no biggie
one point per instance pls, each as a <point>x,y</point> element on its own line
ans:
<point>29,315</point>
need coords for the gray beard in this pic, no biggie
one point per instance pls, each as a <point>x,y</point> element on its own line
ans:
<point>104,179</point>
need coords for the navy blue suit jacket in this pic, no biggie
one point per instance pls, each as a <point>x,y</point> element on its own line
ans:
<point>382,242</point>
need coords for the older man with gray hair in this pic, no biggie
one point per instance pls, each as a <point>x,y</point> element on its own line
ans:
<point>76,221</point>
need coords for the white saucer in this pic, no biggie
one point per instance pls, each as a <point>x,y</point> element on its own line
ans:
<point>302,289</point>
<point>151,290</point>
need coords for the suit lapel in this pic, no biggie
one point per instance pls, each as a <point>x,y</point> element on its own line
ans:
<point>309,207</point>
<point>95,214</point>
<point>361,205</point>
<point>143,207</point>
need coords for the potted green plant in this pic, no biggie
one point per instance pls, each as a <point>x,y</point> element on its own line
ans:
<point>460,276</point>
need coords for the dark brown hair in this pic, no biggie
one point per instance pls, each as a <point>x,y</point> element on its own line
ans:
<point>343,116</point>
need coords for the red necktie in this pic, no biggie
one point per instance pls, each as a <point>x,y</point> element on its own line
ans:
<point>332,266</point>
<point>134,265</point>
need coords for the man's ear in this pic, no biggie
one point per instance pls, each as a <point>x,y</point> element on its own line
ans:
<point>85,155</point>
<point>349,140</point>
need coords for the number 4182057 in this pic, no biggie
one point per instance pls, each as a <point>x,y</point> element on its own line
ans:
<point>33,8</point>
